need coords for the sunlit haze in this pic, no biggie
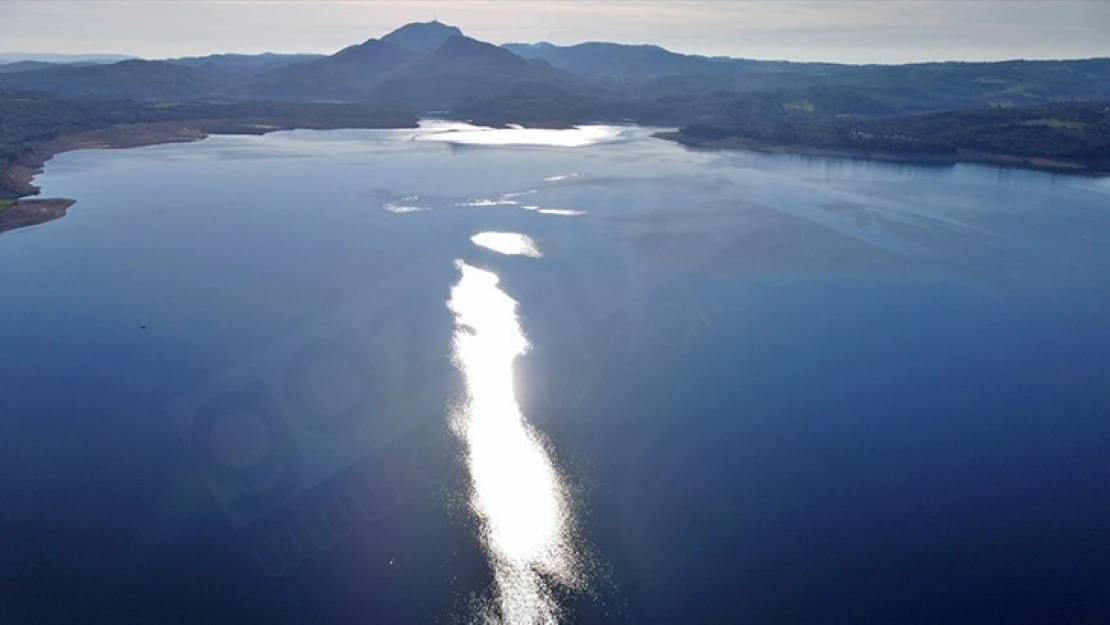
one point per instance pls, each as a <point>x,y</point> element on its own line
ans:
<point>854,31</point>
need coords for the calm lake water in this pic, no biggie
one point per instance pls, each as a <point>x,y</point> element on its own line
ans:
<point>452,376</point>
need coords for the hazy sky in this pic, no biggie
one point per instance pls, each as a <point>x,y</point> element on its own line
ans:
<point>880,31</point>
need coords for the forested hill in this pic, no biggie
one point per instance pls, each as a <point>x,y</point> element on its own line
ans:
<point>435,64</point>
<point>1076,135</point>
<point>133,80</point>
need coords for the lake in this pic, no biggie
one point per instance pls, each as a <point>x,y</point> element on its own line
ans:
<point>456,375</point>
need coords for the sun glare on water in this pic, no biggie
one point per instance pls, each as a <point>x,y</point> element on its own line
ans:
<point>465,134</point>
<point>516,493</point>
<point>507,243</point>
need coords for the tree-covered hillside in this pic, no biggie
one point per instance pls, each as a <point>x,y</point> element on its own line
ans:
<point>1077,131</point>
<point>134,80</point>
<point>433,65</point>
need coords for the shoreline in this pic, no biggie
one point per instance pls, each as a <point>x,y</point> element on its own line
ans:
<point>17,179</point>
<point>1058,166</point>
<point>18,210</point>
<point>27,213</point>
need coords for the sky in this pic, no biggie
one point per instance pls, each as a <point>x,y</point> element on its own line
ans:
<point>850,31</point>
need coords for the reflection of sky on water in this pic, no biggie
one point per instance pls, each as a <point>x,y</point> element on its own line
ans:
<point>516,492</point>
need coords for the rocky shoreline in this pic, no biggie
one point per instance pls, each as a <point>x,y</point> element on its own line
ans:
<point>24,213</point>
<point>16,179</point>
<point>1003,160</point>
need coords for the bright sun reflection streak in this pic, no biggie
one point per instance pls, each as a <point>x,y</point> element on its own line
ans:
<point>463,134</point>
<point>507,243</point>
<point>561,212</point>
<point>517,494</point>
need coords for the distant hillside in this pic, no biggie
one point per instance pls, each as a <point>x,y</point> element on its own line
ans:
<point>1014,109</point>
<point>649,72</point>
<point>62,59</point>
<point>1068,130</point>
<point>423,38</point>
<point>24,66</point>
<point>1058,136</point>
<point>136,80</point>
<point>650,67</point>
<point>346,75</point>
<point>544,103</point>
<point>433,66</point>
<point>244,64</point>
<point>931,87</point>
<point>463,68</point>
<point>354,72</point>
<point>617,64</point>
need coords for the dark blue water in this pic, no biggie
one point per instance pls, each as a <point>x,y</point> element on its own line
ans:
<point>775,389</point>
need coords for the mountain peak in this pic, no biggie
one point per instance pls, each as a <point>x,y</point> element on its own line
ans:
<point>423,37</point>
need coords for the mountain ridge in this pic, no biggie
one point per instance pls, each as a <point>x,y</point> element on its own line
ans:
<point>348,74</point>
<point>133,79</point>
<point>434,66</point>
<point>423,37</point>
<point>460,68</point>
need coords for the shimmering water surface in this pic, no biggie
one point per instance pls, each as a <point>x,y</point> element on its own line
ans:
<point>467,375</point>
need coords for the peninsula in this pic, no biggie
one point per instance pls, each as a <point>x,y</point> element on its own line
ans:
<point>22,213</point>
